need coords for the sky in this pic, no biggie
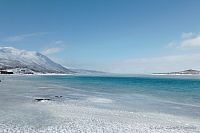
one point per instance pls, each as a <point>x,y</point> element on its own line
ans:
<point>119,36</point>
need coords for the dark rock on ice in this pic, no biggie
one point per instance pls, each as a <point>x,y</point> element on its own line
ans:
<point>42,99</point>
<point>58,96</point>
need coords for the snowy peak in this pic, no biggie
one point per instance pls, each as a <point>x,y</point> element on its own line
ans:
<point>11,58</point>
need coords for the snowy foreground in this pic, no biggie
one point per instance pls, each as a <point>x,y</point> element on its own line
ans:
<point>19,113</point>
<point>72,118</point>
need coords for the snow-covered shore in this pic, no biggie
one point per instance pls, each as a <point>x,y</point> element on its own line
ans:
<point>74,112</point>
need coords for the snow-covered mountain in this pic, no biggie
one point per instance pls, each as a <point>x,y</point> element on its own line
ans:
<point>12,58</point>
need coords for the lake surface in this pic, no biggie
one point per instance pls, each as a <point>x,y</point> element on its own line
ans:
<point>100,104</point>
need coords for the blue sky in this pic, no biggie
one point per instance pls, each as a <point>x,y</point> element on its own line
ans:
<point>122,36</point>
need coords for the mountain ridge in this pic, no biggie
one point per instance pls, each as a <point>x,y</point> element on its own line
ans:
<point>12,58</point>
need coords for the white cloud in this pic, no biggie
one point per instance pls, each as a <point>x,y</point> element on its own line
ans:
<point>188,41</point>
<point>54,47</point>
<point>155,64</point>
<point>147,65</point>
<point>23,36</point>
<point>193,42</point>
<point>50,51</point>
<point>168,63</point>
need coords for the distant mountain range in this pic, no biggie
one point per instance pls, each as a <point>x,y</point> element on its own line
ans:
<point>21,61</point>
<point>88,72</point>
<point>186,72</point>
<point>12,58</point>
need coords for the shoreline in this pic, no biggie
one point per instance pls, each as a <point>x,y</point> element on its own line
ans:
<point>80,111</point>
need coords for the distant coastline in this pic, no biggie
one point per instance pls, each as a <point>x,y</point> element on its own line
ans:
<point>185,72</point>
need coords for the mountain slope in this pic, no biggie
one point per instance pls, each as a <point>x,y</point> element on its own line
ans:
<point>11,58</point>
<point>88,72</point>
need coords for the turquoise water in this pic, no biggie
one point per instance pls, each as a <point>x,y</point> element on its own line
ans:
<point>175,95</point>
<point>173,89</point>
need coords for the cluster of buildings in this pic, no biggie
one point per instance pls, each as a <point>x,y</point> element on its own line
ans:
<point>16,71</point>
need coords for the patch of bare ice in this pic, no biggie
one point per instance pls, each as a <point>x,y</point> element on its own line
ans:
<point>99,100</point>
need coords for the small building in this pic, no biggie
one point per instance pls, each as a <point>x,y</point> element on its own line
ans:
<point>5,72</point>
<point>25,71</point>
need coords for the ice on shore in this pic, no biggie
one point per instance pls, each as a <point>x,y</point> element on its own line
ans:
<point>72,118</point>
<point>75,113</point>
<point>100,100</point>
